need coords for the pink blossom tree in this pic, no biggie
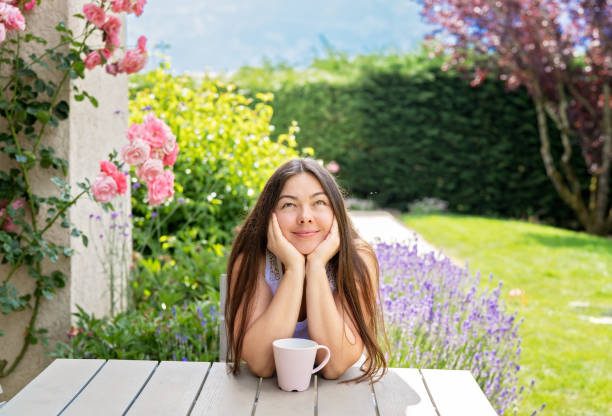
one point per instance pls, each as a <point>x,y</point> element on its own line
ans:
<point>561,52</point>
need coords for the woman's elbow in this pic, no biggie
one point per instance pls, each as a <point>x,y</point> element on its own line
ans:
<point>332,372</point>
<point>264,371</point>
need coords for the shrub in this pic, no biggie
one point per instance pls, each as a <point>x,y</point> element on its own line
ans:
<point>187,332</point>
<point>402,129</point>
<point>226,155</point>
<point>436,317</point>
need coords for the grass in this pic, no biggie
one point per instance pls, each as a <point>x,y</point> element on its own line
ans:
<point>565,277</point>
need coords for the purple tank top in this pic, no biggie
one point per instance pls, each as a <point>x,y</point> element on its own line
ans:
<point>273,275</point>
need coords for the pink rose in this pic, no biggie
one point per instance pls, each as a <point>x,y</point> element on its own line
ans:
<point>94,14</point>
<point>135,152</point>
<point>108,167</point>
<point>92,60</point>
<point>332,166</point>
<point>136,131</point>
<point>157,154</point>
<point>121,181</point>
<point>12,17</point>
<point>158,131</point>
<point>96,58</point>
<point>7,222</point>
<point>18,203</point>
<point>29,5</point>
<point>142,44</point>
<point>104,188</point>
<point>150,170</point>
<point>170,158</point>
<point>112,69</point>
<point>137,8</point>
<point>128,6</point>
<point>169,145</point>
<point>133,61</point>
<point>119,6</point>
<point>161,188</point>
<point>111,29</point>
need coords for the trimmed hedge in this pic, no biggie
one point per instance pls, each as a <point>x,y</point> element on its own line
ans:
<point>407,130</point>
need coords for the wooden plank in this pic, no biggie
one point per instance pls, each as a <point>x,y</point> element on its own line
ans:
<point>113,389</point>
<point>225,394</point>
<point>456,393</point>
<point>274,401</point>
<point>171,390</point>
<point>345,399</point>
<point>402,392</point>
<point>52,389</point>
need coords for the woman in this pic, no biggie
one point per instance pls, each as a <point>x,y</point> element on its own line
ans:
<point>299,269</point>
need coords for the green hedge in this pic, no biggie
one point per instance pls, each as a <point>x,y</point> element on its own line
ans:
<point>401,130</point>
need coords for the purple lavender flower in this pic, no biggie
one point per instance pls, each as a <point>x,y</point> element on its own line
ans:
<point>436,317</point>
<point>184,359</point>
<point>114,215</point>
<point>147,108</point>
<point>153,214</point>
<point>181,200</point>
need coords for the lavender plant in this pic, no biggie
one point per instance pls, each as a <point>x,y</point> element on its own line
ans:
<point>112,240</point>
<point>437,317</point>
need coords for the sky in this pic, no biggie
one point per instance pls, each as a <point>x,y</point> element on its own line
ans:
<point>222,35</point>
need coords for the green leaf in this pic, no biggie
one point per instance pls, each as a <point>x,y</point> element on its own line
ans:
<point>61,110</point>
<point>58,181</point>
<point>79,67</point>
<point>43,116</point>
<point>93,101</point>
<point>39,85</point>
<point>85,240</point>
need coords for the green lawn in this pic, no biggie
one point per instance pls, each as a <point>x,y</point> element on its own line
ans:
<point>566,277</point>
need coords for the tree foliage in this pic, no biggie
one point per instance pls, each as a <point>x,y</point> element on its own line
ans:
<point>560,50</point>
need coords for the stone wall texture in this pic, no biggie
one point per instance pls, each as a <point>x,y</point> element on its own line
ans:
<point>87,137</point>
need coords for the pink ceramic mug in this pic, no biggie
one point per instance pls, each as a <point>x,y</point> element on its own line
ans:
<point>294,359</point>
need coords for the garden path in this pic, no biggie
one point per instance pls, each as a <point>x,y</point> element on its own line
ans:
<point>379,225</point>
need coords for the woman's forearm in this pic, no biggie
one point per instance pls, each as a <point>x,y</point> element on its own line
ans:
<point>325,323</point>
<point>278,321</point>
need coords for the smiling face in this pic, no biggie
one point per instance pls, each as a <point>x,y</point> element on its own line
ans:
<point>304,212</point>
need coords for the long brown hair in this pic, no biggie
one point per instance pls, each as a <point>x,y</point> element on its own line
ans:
<point>351,273</point>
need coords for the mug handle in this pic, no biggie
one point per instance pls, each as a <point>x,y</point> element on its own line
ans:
<point>324,361</point>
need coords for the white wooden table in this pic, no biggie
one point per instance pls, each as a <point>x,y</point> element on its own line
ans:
<point>120,387</point>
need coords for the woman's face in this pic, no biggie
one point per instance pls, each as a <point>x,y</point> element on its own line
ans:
<point>304,213</point>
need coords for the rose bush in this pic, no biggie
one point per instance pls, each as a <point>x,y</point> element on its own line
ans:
<point>29,103</point>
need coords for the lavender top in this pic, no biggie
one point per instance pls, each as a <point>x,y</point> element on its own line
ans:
<point>273,276</point>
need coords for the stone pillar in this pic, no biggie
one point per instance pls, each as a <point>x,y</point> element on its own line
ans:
<point>84,139</point>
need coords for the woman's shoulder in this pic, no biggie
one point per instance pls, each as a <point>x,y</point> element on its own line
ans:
<point>362,247</point>
<point>261,264</point>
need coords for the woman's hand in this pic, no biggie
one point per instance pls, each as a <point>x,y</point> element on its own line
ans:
<point>326,248</point>
<point>282,248</point>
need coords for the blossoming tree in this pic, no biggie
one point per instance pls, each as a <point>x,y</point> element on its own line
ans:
<point>561,51</point>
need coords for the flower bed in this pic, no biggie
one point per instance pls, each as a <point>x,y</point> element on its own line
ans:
<point>437,317</point>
